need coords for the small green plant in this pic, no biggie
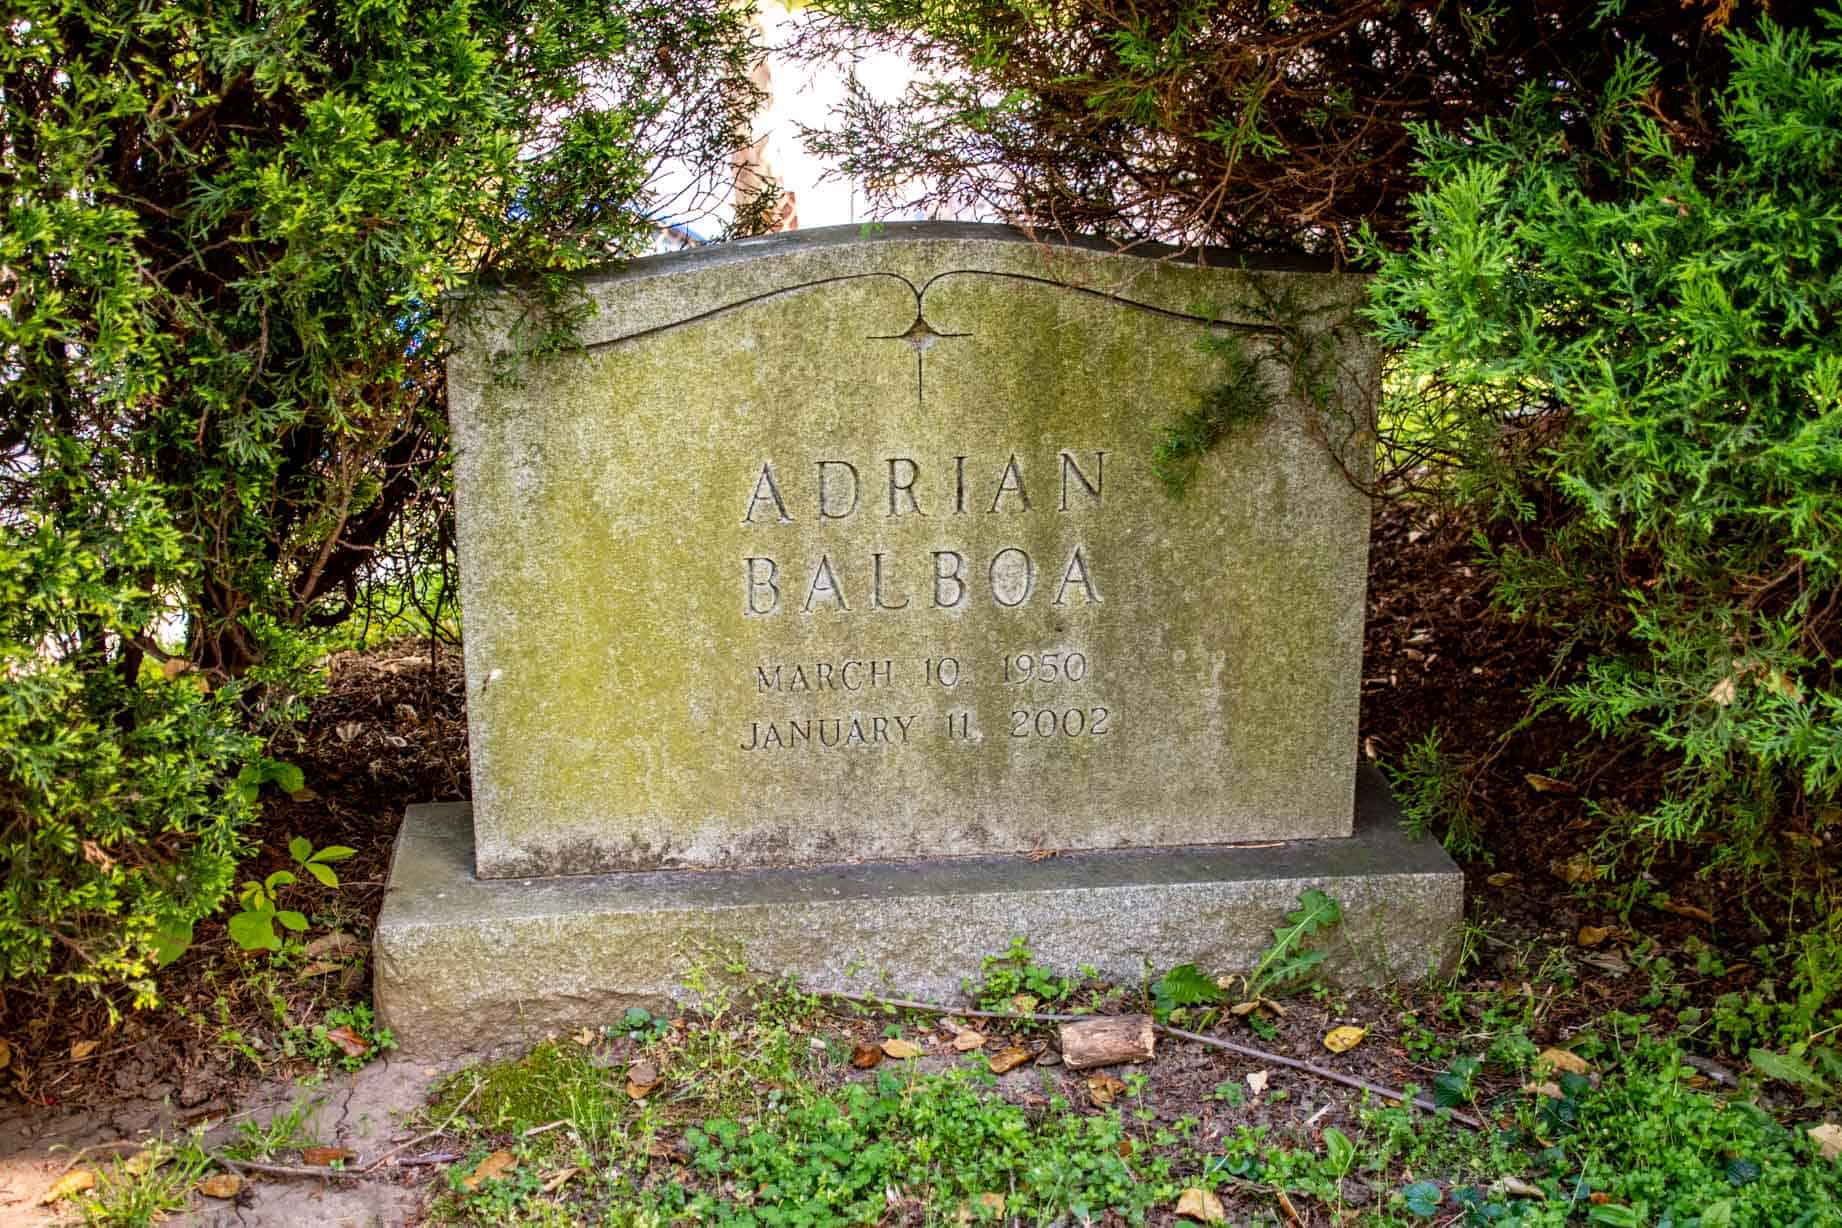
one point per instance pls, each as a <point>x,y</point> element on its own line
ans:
<point>1016,974</point>
<point>258,772</point>
<point>1284,963</point>
<point>1435,796</point>
<point>253,927</point>
<point>348,1037</point>
<point>640,1024</point>
<point>144,1189</point>
<point>1238,398</point>
<point>1183,986</point>
<point>286,1130</point>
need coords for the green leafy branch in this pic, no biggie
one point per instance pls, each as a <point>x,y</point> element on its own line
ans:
<point>253,928</point>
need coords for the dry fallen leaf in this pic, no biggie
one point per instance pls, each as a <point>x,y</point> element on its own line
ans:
<point>1345,1038</point>
<point>76,1181</point>
<point>491,1168</point>
<point>866,1055</point>
<point>6,1054</point>
<point>1008,1059</point>
<point>304,794</point>
<point>1576,869</point>
<point>325,1157</point>
<point>1023,1003</point>
<point>347,730</point>
<point>1724,692</point>
<point>221,1185</point>
<point>172,667</point>
<point>901,1050</point>
<point>1256,1082</point>
<point>585,1037</point>
<point>81,1049</point>
<point>1828,1138</point>
<point>350,1043</point>
<point>330,944</point>
<point>560,1178</point>
<point>967,1041</point>
<point>1688,910</point>
<point>319,967</point>
<point>1516,1187</point>
<point>1102,1088</point>
<point>1561,1059</point>
<point>1503,878</point>
<point>1547,784</point>
<point>1200,1205</point>
<point>1593,935</point>
<point>1551,1090</point>
<point>992,1202</point>
<point>642,1077</point>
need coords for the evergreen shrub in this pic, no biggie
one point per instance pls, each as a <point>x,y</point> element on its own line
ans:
<point>228,237</point>
<point>1630,347</point>
<point>120,825</point>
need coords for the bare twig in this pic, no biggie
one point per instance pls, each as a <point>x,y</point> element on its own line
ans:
<point>1229,1046</point>
<point>288,1170</point>
<point>1387,1093</point>
<point>425,1137</point>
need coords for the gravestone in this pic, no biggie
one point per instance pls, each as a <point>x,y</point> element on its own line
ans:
<point>831,582</point>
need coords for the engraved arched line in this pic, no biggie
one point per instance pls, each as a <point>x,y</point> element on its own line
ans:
<point>750,301</point>
<point>1268,329</point>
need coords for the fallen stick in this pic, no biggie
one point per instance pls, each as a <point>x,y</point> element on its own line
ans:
<point>425,1137</point>
<point>287,1170</point>
<point>1249,1051</point>
<point>1261,1055</point>
<point>343,1174</point>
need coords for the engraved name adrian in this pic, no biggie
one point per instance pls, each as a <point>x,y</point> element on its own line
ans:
<point>895,487</point>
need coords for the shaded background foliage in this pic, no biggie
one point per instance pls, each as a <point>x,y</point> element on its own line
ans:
<point>225,234</point>
<point>1270,126</point>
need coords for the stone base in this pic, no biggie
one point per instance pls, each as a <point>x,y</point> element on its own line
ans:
<point>471,965</point>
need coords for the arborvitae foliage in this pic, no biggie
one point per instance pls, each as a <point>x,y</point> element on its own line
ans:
<point>226,231</point>
<point>1276,124</point>
<point>1629,343</point>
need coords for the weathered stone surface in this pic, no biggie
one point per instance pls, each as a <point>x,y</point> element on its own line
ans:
<point>750,579</point>
<point>464,964</point>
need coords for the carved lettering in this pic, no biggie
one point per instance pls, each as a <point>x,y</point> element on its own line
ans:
<point>903,484</point>
<point>1076,573</point>
<point>876,586</point>
<point>824,580</point>
<point>766,492</point>
<point>1013,575</point>
<point>830,732</point>
<point>852,675</point>
<point>1011,484</point>
<point>826,504</point>
<point>753,583</point>
<point>955,575</point>
<point>1092,488</point>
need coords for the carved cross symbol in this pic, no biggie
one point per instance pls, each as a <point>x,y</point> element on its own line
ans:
<point>920,337</point>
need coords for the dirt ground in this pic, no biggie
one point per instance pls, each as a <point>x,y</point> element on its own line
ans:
<point>390,731</point>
